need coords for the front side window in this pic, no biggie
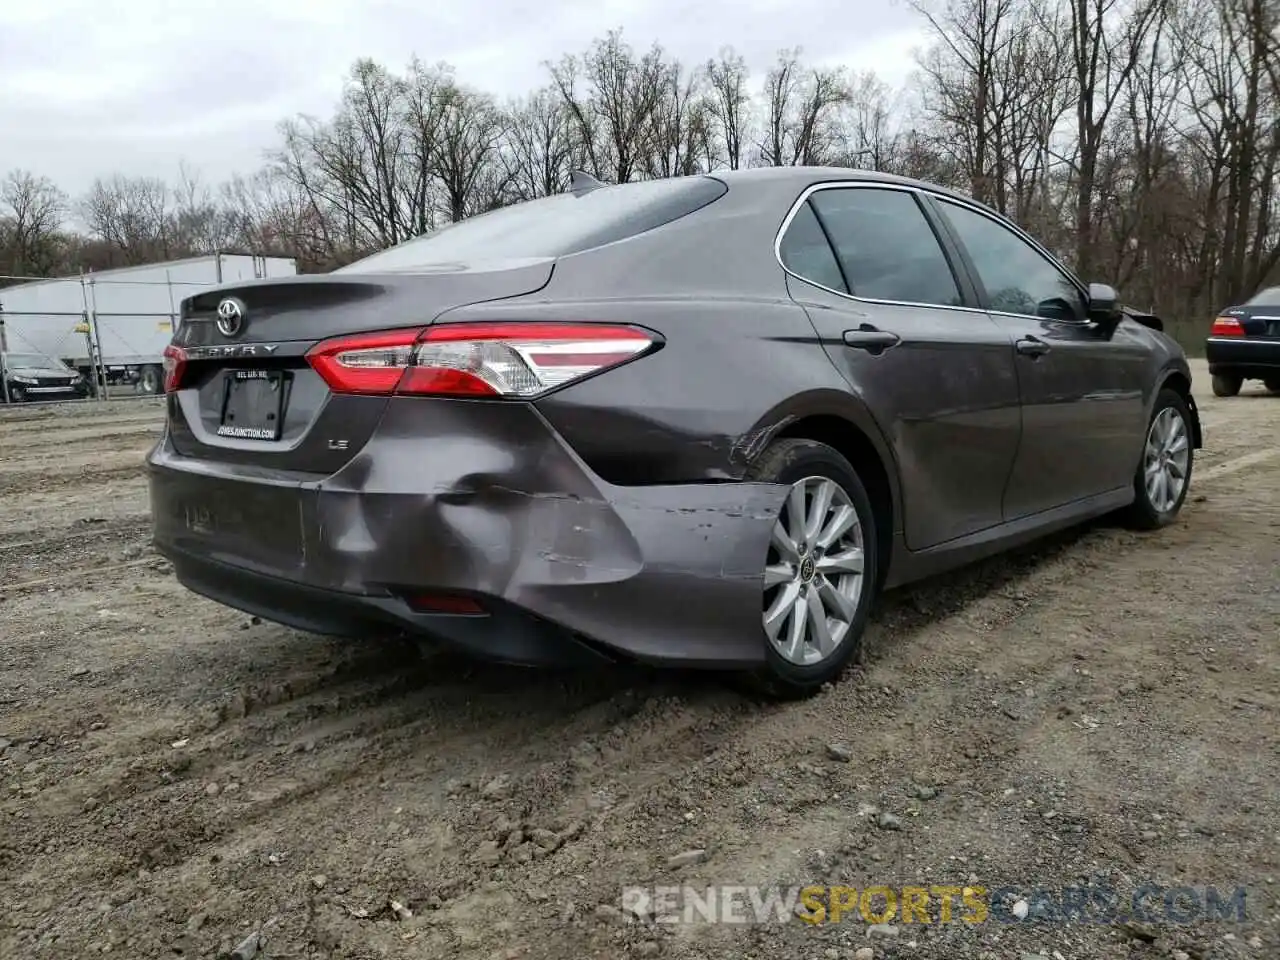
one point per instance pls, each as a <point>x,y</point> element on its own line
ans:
<point>886,248</point>
<point>1018,278</point>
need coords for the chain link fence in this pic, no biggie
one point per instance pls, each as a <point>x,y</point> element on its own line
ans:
<point>107,331</point>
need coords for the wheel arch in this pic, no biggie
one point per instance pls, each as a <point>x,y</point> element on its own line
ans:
<point>838,421</point>
<point>1180,383</point>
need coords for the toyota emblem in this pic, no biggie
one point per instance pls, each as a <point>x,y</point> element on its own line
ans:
<point>230,317</point>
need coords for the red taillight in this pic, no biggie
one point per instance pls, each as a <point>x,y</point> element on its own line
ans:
<point>369,363</point>
<point>175,363</point>
<point>475,359</point>
<point>1226,327</point>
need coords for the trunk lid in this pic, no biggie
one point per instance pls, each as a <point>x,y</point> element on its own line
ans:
<point>248,395</point>
<point>1259,322</point>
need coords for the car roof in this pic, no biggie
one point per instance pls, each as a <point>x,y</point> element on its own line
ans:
<point>803,176</point>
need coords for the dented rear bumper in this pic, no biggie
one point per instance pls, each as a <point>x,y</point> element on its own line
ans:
<point>485,500</point>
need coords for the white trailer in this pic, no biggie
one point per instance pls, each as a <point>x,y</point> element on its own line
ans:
<point>113,325</point>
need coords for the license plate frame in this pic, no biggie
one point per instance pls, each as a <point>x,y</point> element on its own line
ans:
<point>252,405</point>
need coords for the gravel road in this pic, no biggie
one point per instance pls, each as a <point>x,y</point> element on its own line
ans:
<point>177,779</point>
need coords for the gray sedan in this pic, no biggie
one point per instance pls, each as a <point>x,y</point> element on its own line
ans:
<point>699,421</point>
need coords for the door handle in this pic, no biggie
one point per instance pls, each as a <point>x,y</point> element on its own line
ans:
<point>870,339</point>
<point>1031,347</point>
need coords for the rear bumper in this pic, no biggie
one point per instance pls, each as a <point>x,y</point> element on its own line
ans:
<point>1243,357</point>
<point>504,633</point>
<point>483,499</point>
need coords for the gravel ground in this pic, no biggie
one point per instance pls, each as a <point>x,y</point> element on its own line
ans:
<point>178,779</point>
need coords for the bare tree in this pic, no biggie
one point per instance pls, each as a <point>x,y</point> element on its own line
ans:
<point>32,209</point>
<point>427,95</point>
<point>465,157</point>
<point>972,88</point>
<point>540,149</point>
<point>803,113</point>
<point>612,95</point>
<point>729,107</point>
<point>1108,39</point>
<point>134,217</point>
<point>870,140</point>
<point>680,125</point>
<point>359,167</point>
<point>1143,209</point>
<point>1233,97</point>
<point>269,214</point>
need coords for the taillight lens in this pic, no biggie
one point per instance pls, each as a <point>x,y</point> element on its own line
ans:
<point>475,359</point>
<point>175,364</point>
<point>1226,327</point>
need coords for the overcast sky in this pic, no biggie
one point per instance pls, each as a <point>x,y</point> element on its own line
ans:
<point>88,88</point>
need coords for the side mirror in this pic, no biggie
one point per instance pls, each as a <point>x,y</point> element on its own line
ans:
<point>1104,304</point>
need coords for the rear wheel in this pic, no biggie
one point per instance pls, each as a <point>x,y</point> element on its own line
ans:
<point>150,379</point>
<point>820,571</point>
<point>1272,384</point>
<point>1164,475</point>
<point>1225,385</point>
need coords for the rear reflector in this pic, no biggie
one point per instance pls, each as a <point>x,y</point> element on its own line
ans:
<point>443,603</point>
<point>175,364</point>
<point>516,360</point>
<point>1226,327</point>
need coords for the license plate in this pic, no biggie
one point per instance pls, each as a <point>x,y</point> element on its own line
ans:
<point>253,405</point>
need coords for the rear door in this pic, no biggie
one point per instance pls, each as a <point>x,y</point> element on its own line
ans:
<point>1083,391</point>
<point>904,328</point>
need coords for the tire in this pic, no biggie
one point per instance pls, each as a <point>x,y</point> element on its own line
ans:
<point>797,670</point>
<point>1272,384</point>
<point>150,380</point>
<point>1152,510</point>
<point>17,395</point>
<point>1226,386</point>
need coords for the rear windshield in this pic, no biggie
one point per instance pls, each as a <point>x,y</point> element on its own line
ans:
<point>1269,297</point>
<point>552,226</point>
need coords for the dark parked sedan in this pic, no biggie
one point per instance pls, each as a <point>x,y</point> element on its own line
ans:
<point>33,376</point>
<point>698,421</point>
<point>1244,344</point>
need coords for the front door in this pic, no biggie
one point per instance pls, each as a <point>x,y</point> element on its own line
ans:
<point>1083,410</point>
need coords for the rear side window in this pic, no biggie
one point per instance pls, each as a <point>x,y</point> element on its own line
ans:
<point>806,253</point>
<point>885,246</point>
<point>552,226</point>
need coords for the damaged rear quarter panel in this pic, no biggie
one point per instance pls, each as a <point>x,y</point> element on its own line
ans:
<point>692,411</point>
<point>483,496</point>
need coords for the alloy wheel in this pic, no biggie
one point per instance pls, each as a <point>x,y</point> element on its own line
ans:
<point>813,578</point>
<point>1167,459</point>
